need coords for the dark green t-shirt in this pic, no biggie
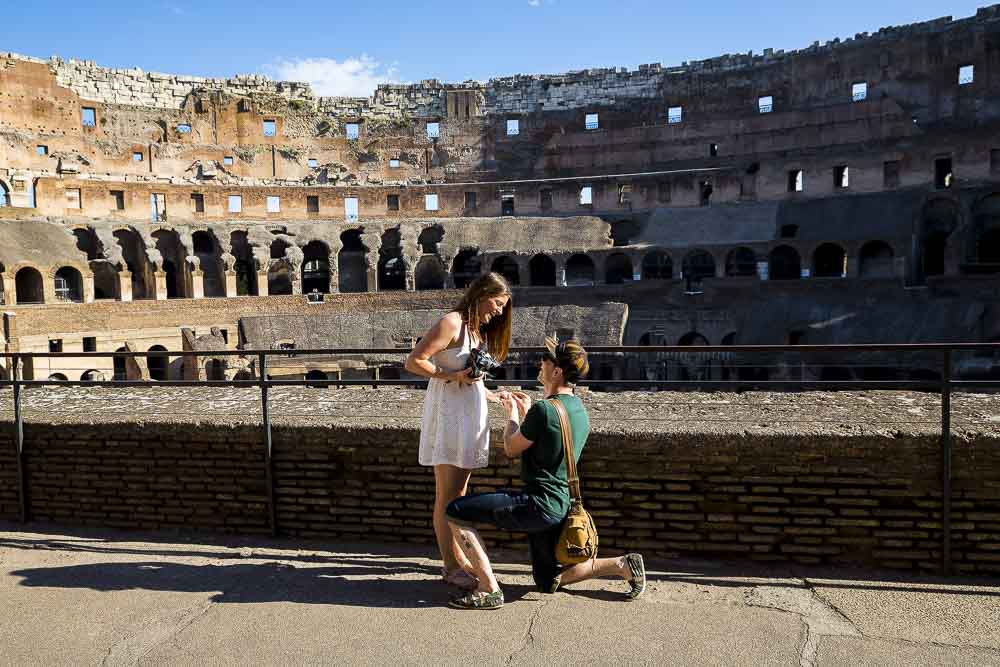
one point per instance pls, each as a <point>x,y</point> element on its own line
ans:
<point>543,465</point>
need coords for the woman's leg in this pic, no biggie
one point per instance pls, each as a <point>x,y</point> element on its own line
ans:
<point>450,482</point>
<point>479,563</point>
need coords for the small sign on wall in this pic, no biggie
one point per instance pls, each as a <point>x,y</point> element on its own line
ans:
<point>762,270</point>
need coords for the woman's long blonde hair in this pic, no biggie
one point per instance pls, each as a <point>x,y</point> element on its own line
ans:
<point>497,332</point>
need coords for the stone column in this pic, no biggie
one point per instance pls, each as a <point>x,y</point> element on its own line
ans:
<point>262,289</point>
<point>373,242</point>
<point>88,288</point>
<point>160,280</point>
<point>230,283</point>
<point>125,285</point>
<point>560,261</point>
<point>523,268</point>
<point>197,284</point>
<point>295,274</point>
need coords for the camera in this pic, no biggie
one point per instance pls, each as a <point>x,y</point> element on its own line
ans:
<point>481,363</point>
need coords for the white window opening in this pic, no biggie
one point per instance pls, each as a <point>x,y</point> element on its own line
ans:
<point>270,128</point>
<point>513,127</point>
<point>433,130</point>
<point>795,182</point>
<point>312,162</point>
<point>88,116</point>
<point>586,195</point>
<point>273,204</point>
<point>675,115</point>
<point>353,130</point>
<point>228,160</point>
<point>136,156</point>
<point>430,202</point>
<point>393,163</point>
<point>184,128</point>
<point>157,207</point>
<point>859,91</point>
<point>765,104</point>
<point>966,73</point>
<point>351,208</point>
<point>235,204</point>
<point>841,177</point>
<point>42,150</point>
<point>591,121</point>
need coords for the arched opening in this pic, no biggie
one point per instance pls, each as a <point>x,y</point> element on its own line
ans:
<point>206,248</point>
<point>352,262</point>
<point>657,265</point>
<point>246,275</point>
<point>106,284</point>
<point>697,265</point>
<point>168,243</point>
<point>157,364</point>
<point>279,278</point>
<point>829,261</point>
<point>319,379</point>
<point>618,269</point>
<point>694,366</point>
<point>4,195</point>
<point>68,285</point>
<point>315,268</point>
<point>579,271</point>
<point>741,263</point>
<point>391,263</point>
<point>784,264</point>
<point>429,239</point>
<point>121,367</point>
<point>986,217</point>
<point>692,338</point>
<point>940,218</point>
<point>466,267</point>
<point>507,267</point>
<point>58,377</point>
<point>137,263</point>
<point>876,260</point>
<point>92,376</point>
<point>542,270</point>
<point>215,370</point>
<point>430,273</point>
<point>28,286</point>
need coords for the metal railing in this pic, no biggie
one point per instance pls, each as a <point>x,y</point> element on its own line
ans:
<point>945,384</point>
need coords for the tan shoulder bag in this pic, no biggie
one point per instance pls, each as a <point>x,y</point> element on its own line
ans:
<point>578,540</point>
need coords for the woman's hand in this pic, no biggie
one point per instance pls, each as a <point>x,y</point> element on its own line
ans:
<point>523,401</point>
<point>496,396</point>
<point>462,377</point>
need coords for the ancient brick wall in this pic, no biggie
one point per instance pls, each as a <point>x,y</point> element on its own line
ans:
<point>872,500</point>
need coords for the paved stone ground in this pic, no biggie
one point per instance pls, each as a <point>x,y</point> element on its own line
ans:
<point>112,598</point>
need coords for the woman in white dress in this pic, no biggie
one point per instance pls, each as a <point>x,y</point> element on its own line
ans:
<point>455,434</point>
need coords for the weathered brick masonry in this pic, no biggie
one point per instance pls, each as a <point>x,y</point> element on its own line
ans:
<point>765,496</point>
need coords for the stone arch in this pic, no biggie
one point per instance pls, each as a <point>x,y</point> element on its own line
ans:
<point>319,377</point>
<point>938,220</point>
<point>391,262</point>
<point>136,262</point>
<point>507,267</point>
<point>784,263</point>
<point>245,265</point>
<point>215,370</point>
<point>466,267</point>
<point>4,195</point>
<point>157,365</point>
<point>657,265</point>
<point>68,283</point>
<point>876,260</point>
<point>697,265</point>
<point>429,239</point>
<point>741,262</point>
<point>92,375</point>
<point>692,338</point>
<point>279,277</point>
<point>315,268</point>
<point>580,271</point>
<point>986,220</point>
<point>829,261</point>
<point>106,283</point>
<point>28,285</point>
<point>542,270</point>
<point>58,377</point>
<point>694,367</point>
<point>352,262</point>
<point>120,365</point>
<point>618,269</point>
<point>175,264</point>
<point>207,250</point>
<point>430,273</point>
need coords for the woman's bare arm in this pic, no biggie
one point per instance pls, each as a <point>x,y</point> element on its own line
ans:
<point>441,335</point>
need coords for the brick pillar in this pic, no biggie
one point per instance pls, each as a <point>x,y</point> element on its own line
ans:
<point>160,280</point>
<point>262,289</point>
<point>197,284</point>
<point>295,273</point>
<point>125,285</point>
<point>560,261</point>
<point>230,283</point>
<point>88,287</point>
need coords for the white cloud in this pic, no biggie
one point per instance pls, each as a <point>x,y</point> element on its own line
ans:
<point>353,77</point>
<point>535,3</point>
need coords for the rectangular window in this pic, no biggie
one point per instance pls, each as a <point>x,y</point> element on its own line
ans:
<point>507,204</point>
<point>765,104</point>
<point>675,115</point>
<point>198,202</point>
<point>586,195</point>
<point>273,204</point>
<point>312,162</point>
<point>136,156</point>
<point>184,128</point>
<point>88,116</point>
<point>42,150</point>
<point>663,193</point>
<point>995,161</point>
<point>470,201</point>
<point>841,177</point>
<point>225,335</point>
<point>73,198</point>
<point>392,202</point>
<point>795,180</point>
<point>513,127</point>
<point>119,197</point>
<point>591,121</point>
<point>713,150</point>
<point>90,343</point>
<point>157,207</point>
<point>942,173</point>
<point>312,204</point>
<point>859,91</point>
<point>966,74</point>
<point>235,204</point>
<point>353,130</point>
<point>351,209</point>
<point>625,194</point>
<point>545,200</point>
<point>270,128</point>
<point>55,345</point>
<point>393,163</point>
<point>890,174</point>
<point>433,130</point>
<point>430,202</point>
<point>228,160</point>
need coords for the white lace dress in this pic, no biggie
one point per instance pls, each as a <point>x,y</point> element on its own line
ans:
<point>455,429</point>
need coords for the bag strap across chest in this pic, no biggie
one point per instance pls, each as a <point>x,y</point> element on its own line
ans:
<point>572,478</point>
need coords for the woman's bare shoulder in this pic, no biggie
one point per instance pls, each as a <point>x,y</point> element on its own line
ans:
<point>452,321</point>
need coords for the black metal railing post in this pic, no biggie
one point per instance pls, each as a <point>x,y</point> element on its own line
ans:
<point>946,462</point>
<point>22,468</point>
<point>272,510</point>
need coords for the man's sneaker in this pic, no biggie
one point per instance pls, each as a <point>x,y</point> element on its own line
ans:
<point>478,601</point>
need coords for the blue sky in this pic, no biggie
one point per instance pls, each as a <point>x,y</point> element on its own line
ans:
<point>347,47</point>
